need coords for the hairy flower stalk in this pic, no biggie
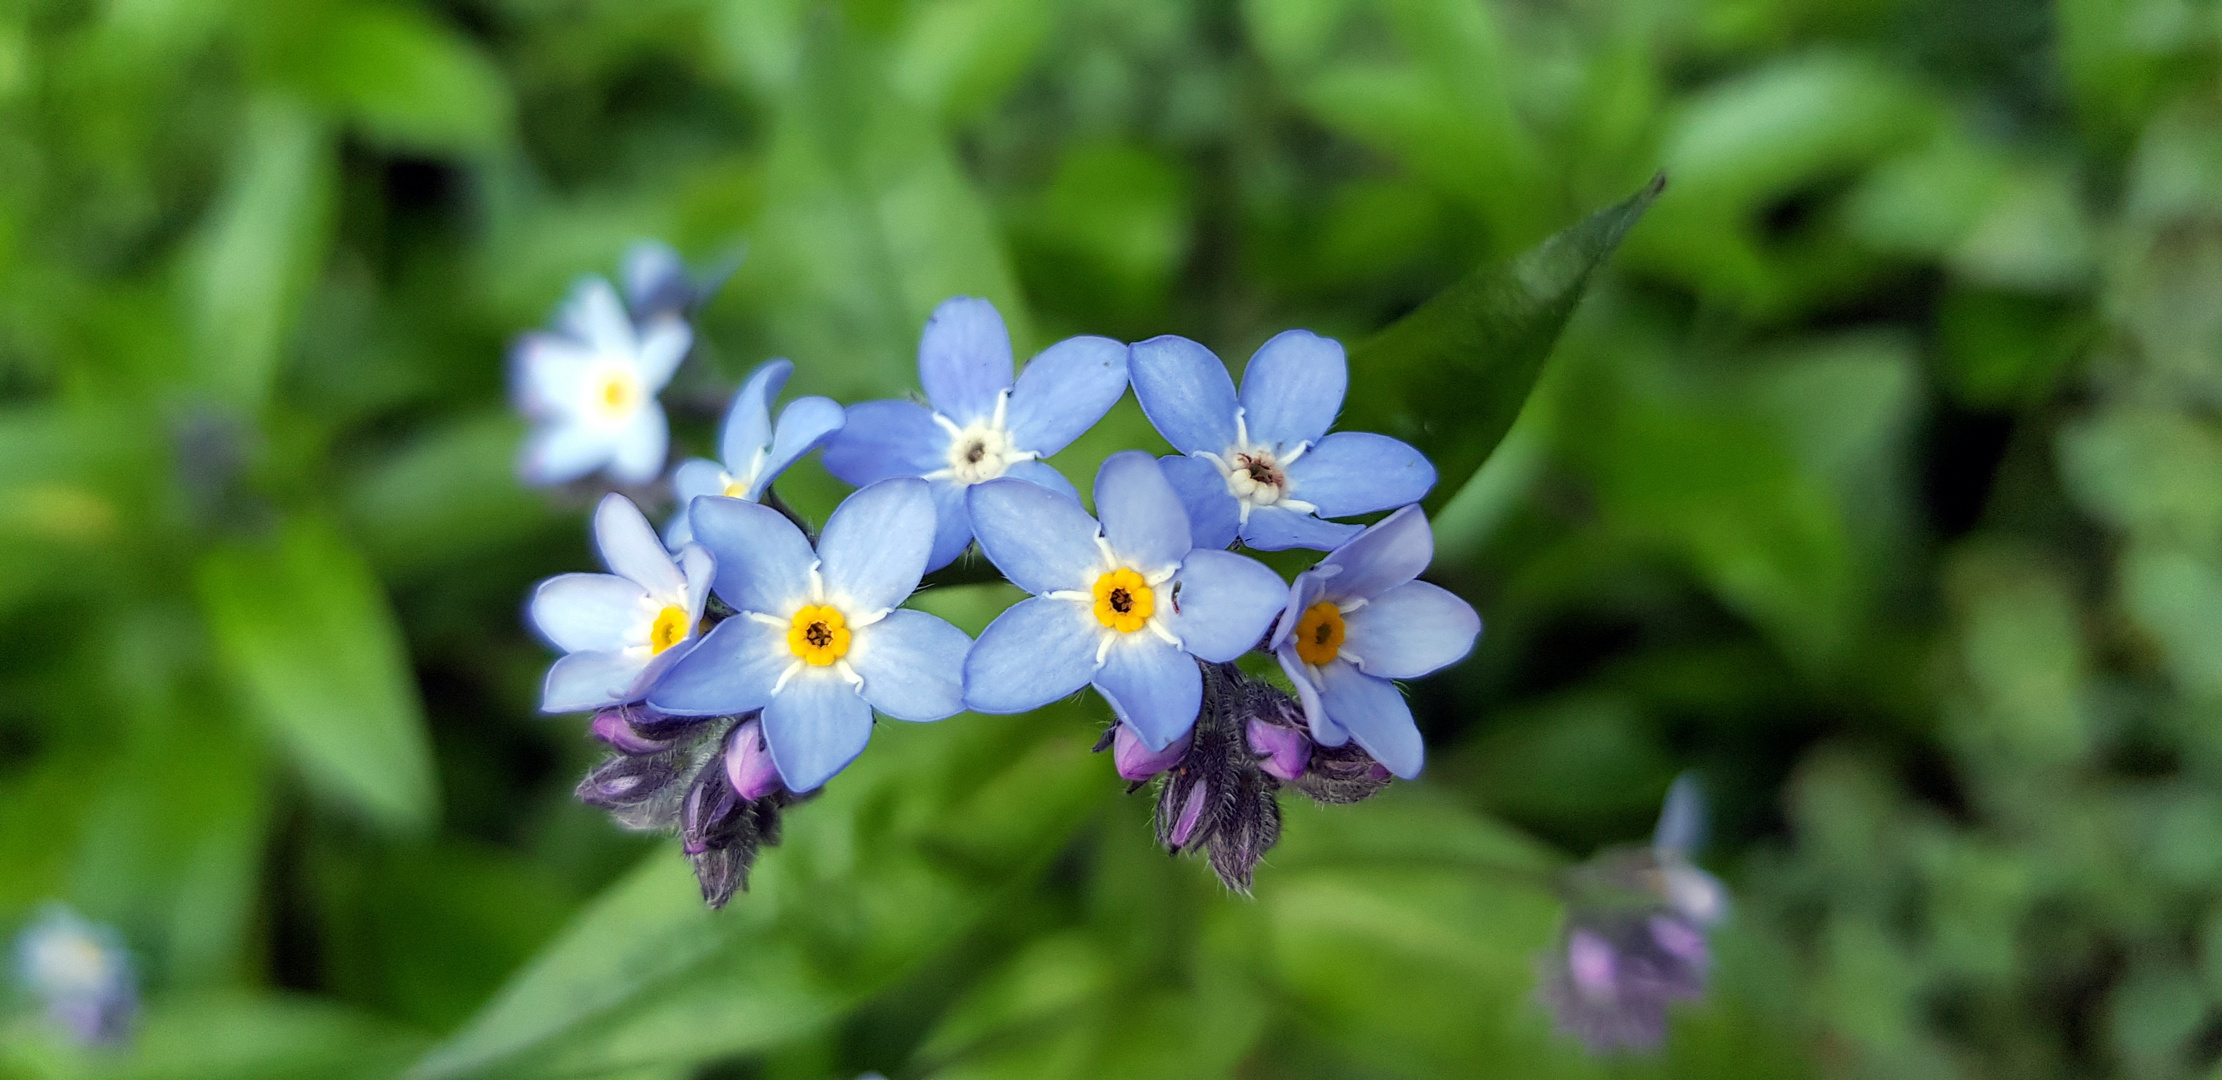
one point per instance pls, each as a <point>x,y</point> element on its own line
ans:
<point>708,779</point>
<point>1217,786</point>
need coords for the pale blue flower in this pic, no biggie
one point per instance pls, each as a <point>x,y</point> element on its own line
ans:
<point>621,630</point>
<point>755,450</point>
<point>589,386</point>
<point>1262,467</point>
<point>82,974</point>
<point>1356,620</point>
<point>978,423</point>
<point>657,281</point>
<point>817,641</point>
<point>1128,606</point>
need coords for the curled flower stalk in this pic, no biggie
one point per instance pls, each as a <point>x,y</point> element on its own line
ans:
<point>710,780</point>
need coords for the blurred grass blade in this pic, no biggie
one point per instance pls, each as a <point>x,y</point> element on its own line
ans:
<point>306,635</point>
<point>1452,376</point>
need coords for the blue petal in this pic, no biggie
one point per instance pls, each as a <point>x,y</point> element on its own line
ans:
<point>655,278</point>
<point>1037,651</point>
<point>590,612</point>
<point>592,314</point>
<point>873,550</point>
<point>590,680</point>
<point>763,560</point>
<point>1325,731</point>
<point>1389,553</point>
<point>1221,603</point>
<point>637,453</point>
<point>633,550</point>
<point>1045,475</point>
<point>1292,388</point>
<point>1040,540</point>
<point>1141,514</point>
<point>1358,472</point>
<point>912,665</point>
<point>1185,392</point>
<point>1153,687</point>
<point>1375,714</point>
<point>886,438</point>
<point>748,422</point>
<point>694,478</point>
<point>1410,630</point>
<point>664,341</point>
<point>1064,391</point>
<point>804,425</point>
<point>952,524</point>
<point>545,372</point>
<point>815,727</point>
<point>562,452</point>
<point>1681,827</point>
<point>1275,528</point>
<point>700,569</point>
<point>1214,514</point>
<point>964,359</point>
<point>732,671</point>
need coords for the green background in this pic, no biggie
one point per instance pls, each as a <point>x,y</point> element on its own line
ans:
<point>1878,479</point>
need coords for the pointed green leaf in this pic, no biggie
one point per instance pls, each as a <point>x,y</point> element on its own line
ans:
<point>304,630</point>
<point>1451,377</point>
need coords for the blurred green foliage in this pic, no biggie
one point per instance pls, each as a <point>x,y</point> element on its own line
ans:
<point>1879,480</point>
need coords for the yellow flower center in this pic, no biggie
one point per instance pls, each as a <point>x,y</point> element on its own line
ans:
<point>819,636</point>
<point>670,629</point>
<point>734,489</point>
<point>617,392</point>
<point>1319,633</point>
<point>1124,602</point>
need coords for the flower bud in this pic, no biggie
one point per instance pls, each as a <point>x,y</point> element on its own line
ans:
<point>626,781</point>
<point>1136,761</point>
<point>748,763</point>
<point>1282,752</point>
<point>615,728</point>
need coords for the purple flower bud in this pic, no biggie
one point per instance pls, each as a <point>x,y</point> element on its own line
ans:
<point>1191,811</point>
<point>615,727</point>
<point>748,763</point>
<point>1283,752</point>
<point>1590,963</point>
<point>1136,761</point>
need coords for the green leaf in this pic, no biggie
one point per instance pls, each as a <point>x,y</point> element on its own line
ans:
<point>449,496</point>
<point>404,79</point>
<point>259,250</point>
<point>305,633</point>
<point>1452,376</point>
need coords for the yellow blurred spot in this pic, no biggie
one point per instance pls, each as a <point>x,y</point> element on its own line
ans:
<point>58,512</point>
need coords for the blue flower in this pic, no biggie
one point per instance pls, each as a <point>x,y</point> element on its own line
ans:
<point>81,972</point>
<point>1262,467</point>
<point>1128,606</point>
<point>1357,620</point>
<point>590,385</point>
<point>656,280</point>
<point>620,630</point>
<point>980,424</point>
<point>755,451</point>
<point>816,640</point>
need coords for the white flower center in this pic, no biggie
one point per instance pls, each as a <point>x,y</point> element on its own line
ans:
<point>613,393</point>
<point>1257,475</point>
<point>982,450</point>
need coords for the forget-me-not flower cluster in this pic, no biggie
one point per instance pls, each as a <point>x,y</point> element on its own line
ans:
<point>738,664</point>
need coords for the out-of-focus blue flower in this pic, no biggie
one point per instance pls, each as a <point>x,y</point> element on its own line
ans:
<point>657,282</point>
<point>1129,605</point>
<point>978,423</point>
<point>816,640</point>
<point>621,630</point>
<point>1262,466</point>
<point>755,450</point>
<point>1635,936</point>
<point>1356,620</point>
<point>589,386</point>
<point>82,974</point>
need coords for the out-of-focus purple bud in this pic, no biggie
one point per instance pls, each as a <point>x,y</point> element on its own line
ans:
<point>1589,961</point>
<point>748,763</point>
<point>1136,761</point>
<point>1283,752</point>
<point>615,728</point>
